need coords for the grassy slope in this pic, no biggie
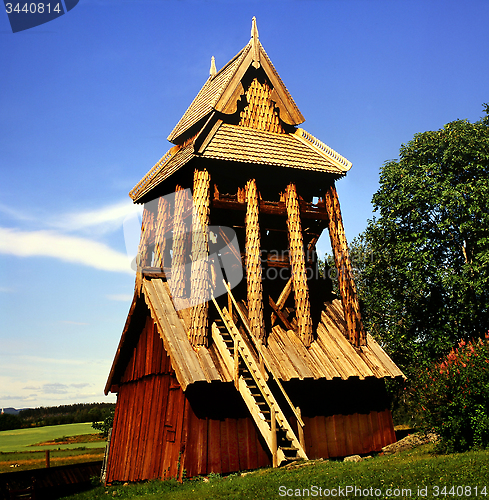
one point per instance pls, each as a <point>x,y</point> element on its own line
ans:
<point>17,452</point>
<point>412,469</point>
<point>22,439</point>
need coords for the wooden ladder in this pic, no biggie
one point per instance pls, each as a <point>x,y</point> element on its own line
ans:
<point>250,381</point>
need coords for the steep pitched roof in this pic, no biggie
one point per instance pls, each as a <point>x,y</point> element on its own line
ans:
<point>243,113</point>
<point>222,91</point>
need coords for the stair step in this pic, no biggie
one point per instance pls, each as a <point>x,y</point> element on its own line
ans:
<point>288,448</point>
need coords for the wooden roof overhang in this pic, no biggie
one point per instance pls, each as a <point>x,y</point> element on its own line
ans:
<point>228,143</point>
<point>329,357</point>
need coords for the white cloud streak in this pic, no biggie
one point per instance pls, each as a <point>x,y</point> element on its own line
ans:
<point>104,219</point>
<point>67,248</point>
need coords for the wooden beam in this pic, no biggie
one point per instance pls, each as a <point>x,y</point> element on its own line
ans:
<point>280,314</point>
<point>161,242</point>
<point>179,246</point>
<point>297,260</point>
<point>253,262</point>
<point>284,295</point>
<point>147,234</point>
<point>200,279</point>
<point>308,210</point>
<point>355,330</point>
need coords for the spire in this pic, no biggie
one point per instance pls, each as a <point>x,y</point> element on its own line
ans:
<point>213,70</point>
<point>255,43</point>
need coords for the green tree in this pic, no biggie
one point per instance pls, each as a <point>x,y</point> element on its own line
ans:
<point>105,426</point>
<point>428,281</point>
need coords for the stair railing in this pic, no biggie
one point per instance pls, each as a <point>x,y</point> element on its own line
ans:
<point>263,360</point>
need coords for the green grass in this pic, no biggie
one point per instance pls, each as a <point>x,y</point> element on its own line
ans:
<point>15,461</point>
<point>23,439</point>
<point>407,470</point>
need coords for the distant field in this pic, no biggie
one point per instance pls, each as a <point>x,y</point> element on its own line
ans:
<point>21,439</point>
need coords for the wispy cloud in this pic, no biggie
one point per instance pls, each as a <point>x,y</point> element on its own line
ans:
<point>16,214</point>
<point>55,388</point>
<point>80,386</point>
<point>66,322</point>
<point>122,297</point>
<point>103,219</point>
<point>64,247</point>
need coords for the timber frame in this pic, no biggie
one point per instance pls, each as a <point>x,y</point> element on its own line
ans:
<point>243,192</point>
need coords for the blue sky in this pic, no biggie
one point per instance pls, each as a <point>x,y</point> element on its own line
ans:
<point>88,100</point>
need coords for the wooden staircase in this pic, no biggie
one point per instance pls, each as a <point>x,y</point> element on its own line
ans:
<point>250,377</point>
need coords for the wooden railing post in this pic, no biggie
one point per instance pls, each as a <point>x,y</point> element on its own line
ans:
<point>300,429</point>
<point>236,363</point>
<point>273,429</point>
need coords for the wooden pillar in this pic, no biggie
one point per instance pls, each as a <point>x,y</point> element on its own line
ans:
<point>253,262</point>
<point>162,218</point>
<point>179,246</point>
<point>200,282</point>
<point>147,229</point>
<point>349,299</point>
<point>298,264</point>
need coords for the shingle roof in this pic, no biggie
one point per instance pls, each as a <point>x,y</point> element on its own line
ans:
<point>208,96</point>
<point>329,357</point>
<point>168,165</point>
<point>299,150</point>
<point>218,88</point>
<point>249,145</point>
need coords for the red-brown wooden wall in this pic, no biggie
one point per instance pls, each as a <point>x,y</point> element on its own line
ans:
<point>157,434</point>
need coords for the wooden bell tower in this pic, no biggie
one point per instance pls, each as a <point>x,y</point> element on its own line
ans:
<point>243,192</point>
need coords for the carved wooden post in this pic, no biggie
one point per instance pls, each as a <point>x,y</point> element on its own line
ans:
<point>253,262</point>
<point>298,264</point>
<point>200,282</point>
<point>160,242</point>
<point>179,247</point>
<point>147,228</point>
<point>349,298</point>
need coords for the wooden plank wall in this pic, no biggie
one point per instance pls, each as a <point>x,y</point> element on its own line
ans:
<point>156,433</point>
<point>343,435</point>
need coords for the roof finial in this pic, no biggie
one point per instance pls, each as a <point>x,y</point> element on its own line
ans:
<point>254,29</point>
<point>213,70</point>
<point>255,43</point>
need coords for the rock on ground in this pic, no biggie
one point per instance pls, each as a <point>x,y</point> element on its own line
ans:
<point>409,442</point>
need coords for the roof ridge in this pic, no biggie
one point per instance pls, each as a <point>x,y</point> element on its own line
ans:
<point>215,87</point>
<point>240,53</point>
<point>278,76</point>
<point>323,149</point>
<point>152,172</point>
